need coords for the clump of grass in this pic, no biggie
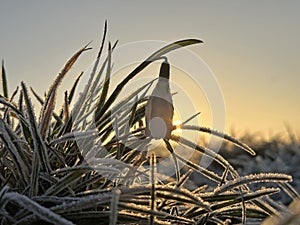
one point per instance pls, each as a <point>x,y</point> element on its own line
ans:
<point>86,164</point>
<point>279,154</point>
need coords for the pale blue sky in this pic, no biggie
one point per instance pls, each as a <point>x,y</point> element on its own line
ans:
<point>252,47</point>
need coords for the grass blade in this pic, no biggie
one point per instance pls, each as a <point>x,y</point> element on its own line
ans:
<point>113,219</point>
<point>253,178</point>
<point>105,87</point>
<point>39,145</point>
<point>73,89</point>
<point>42,212</point>
<point>207,152</point>
<point>152,183</point>
<point>171,150</point>
<point>4,81</point>
<point>221,135</point>
<point>156,55</point>
<point>48,107</point>
<point>11,142</point>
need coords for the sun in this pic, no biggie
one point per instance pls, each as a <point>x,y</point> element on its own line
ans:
<point>178,124</point>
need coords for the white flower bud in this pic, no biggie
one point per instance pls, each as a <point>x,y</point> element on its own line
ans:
<point>159,109</point>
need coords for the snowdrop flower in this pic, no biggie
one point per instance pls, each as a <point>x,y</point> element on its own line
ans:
<point>159,109</point>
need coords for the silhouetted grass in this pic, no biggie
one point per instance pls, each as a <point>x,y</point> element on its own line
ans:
<point>86,165</point>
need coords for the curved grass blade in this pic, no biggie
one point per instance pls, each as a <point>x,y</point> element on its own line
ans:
<point>40,100</point>
<point>48,107</point>
<point>224,205</point>
<point>253,178</point>
<point>70,98</point>
<point>221,135</point>
<point>224,176</point>
<point>209,174</point>
<point>208,152</point>
<point>106,118</point>
<point>14,93</point>
<point>14,108</point>
<point>246,197</point>
<point>145,210</point>
<point>183,179</point>
<point>156,55</point>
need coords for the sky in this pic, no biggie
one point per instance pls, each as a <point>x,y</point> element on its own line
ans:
<point>251,47</point>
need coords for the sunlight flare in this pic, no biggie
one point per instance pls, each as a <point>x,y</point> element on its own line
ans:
<point>178,124</point>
